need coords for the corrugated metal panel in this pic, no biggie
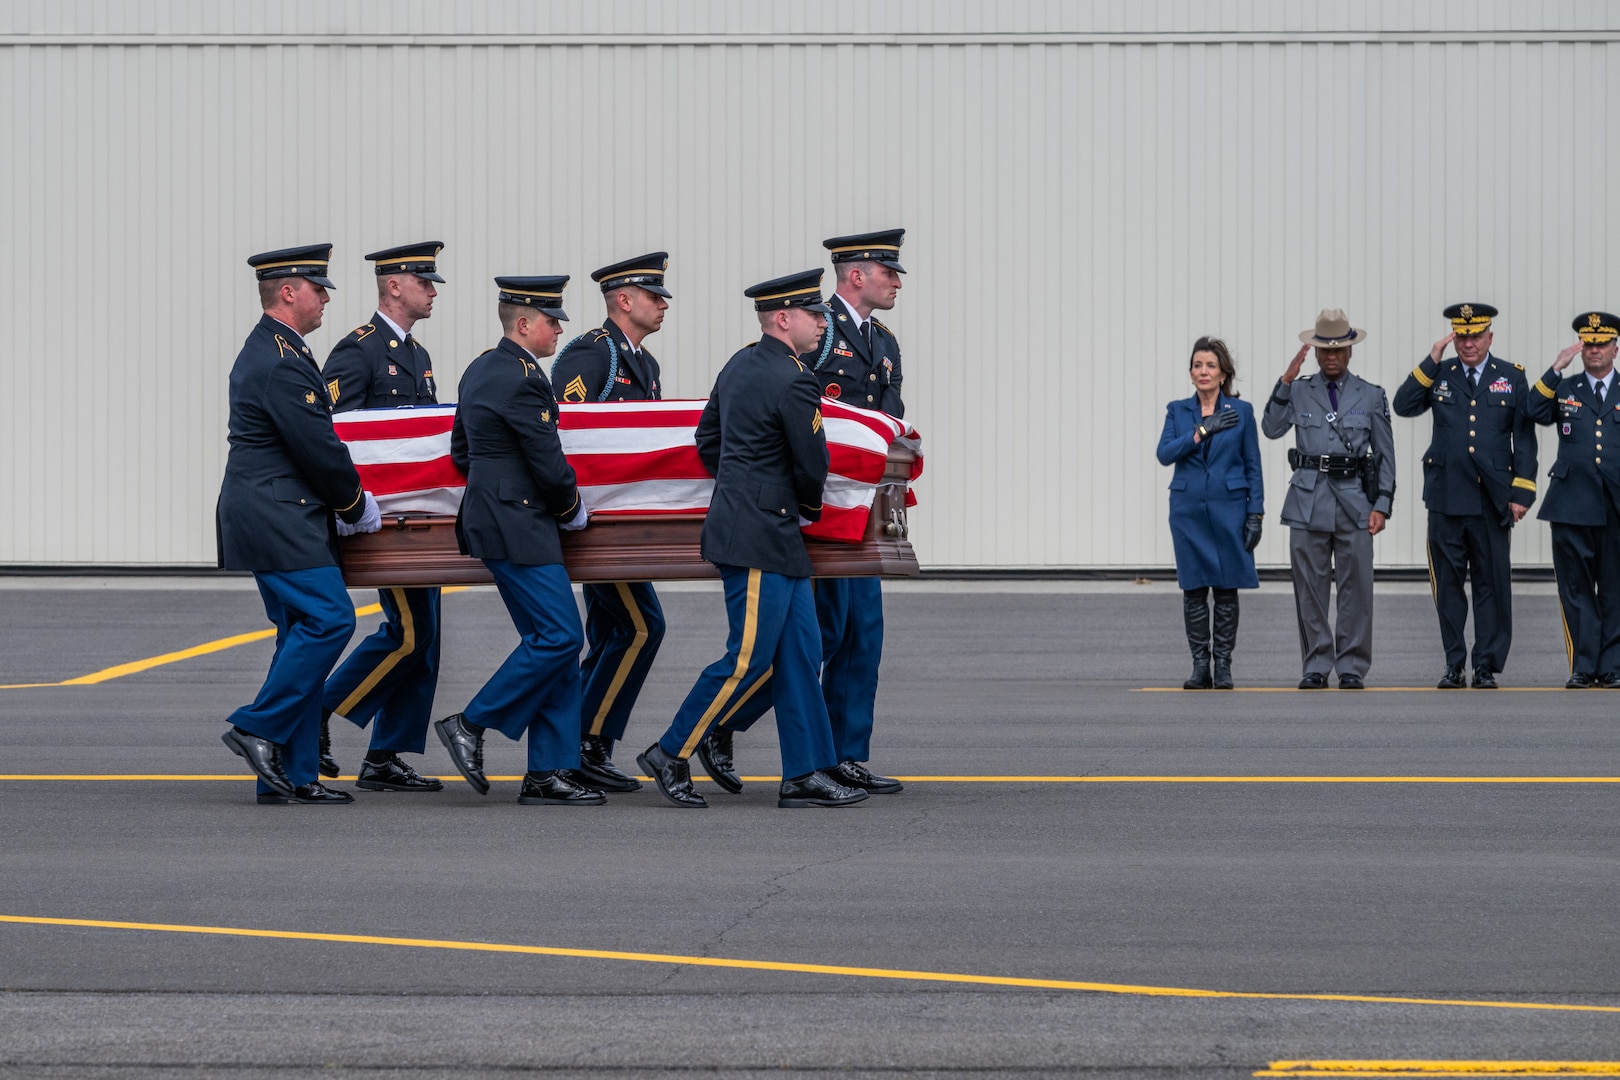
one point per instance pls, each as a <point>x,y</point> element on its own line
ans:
<point>1078,211</point>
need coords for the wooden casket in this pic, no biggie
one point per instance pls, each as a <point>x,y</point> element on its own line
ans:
<point>421,549</point>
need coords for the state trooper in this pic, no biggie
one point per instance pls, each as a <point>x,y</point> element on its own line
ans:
<point>624,623</point>
<point>1338,499</point>
<point>286,477</point>
<point>1478,482</point>
<point>857,360</point>
<point>1583,498</point>
<point>761,437</point>
<point>392,675</point>
<point>520,493</point>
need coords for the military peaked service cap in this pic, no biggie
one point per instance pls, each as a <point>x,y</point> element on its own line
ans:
<point>419,259</point>
<point>542,293</point>
<point>646,271</point>
<point>795,290</point>
<point>1470,319</point>
<point>305,262</point>
<point>1597,327</point>
<point>882,247</point>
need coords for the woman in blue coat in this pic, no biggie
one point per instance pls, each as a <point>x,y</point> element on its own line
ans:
<point>1217,503</point>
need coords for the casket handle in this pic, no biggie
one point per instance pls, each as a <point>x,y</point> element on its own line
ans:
<point>896,525</point>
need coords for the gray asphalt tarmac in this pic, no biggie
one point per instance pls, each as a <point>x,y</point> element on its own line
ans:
<point>1121,899</point>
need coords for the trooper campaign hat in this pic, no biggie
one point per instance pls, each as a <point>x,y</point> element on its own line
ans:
<point>419,259</point>
<point>795,290</point>
<point>643,271</point>
<point>1470,319</point>
<point>1596,327</point>
<point>880,247</point>
<point>1332,330</point>
<point>305,262</point>
<point>544,294</point>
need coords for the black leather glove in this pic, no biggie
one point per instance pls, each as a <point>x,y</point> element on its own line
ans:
<point>1251,531</point>
<point>1220,420</point>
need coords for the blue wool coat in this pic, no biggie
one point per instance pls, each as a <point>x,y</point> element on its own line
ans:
<point>1210,494</point>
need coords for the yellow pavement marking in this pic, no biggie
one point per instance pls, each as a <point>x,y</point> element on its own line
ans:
<point>796,968</point>
<point>130,777</point>
<point>1478,1070</point>
<point>118,671</point>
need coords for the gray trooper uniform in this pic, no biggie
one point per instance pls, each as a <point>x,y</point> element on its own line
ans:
<point>1327,513</point>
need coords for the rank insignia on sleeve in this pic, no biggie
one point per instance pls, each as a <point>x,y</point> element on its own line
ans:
<point>575,390</point>
<point>332,390</point>
<point>309,398</point>
<point>815,421</point>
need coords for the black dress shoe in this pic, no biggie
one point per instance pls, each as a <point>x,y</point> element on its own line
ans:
<point>1313,681</point>
<point>1580,680</point>
<point>714,752</point>
<point>466,750</point>
<point>817,789</point>
<point>557,789</point>
<point>854,774</point>
<point>1351,682</point>
<point>1452,680</point>
<point>1484,679</point>
<point>673,776</point>
<point>1609,680</point>
<point>596,767</point>
<point>262,756</point>
<point>328,765</point>
<point>395,775</point>
<point>313,793</point>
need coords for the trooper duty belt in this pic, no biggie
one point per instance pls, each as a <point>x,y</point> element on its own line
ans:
<point>1337,465</point>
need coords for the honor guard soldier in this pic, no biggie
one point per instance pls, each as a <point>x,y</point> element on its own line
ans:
<point>1583,499</point>
<point>1338,500</point>
<point>1478,481</point>
<point>761,437</point>
<point>520,492</point>
<point>857,361</point>
<point>391,675</point>
<point>624,623</point>
<point>286,476</point>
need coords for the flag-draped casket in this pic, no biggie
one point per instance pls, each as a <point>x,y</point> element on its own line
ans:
<point>645,487</point>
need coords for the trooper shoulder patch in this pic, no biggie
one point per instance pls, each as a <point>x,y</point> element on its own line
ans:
<point>575,390</point>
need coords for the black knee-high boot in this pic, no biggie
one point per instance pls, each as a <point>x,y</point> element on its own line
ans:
<point>1195,612</point>
<point>1225,636</point>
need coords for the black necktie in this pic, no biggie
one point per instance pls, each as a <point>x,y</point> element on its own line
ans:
<point>1333,396</point>
<point>866,335</point>
<point>1473,381</point>
<point>1597,392</point>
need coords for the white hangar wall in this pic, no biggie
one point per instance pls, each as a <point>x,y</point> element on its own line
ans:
<point>1086,188</point>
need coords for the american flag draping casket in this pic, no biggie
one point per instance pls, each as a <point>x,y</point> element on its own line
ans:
<point>642,481</point>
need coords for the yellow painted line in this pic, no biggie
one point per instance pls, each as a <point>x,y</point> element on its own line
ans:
<point>1367,690</point>
<point>133,777</point>
<point>738,964</point>
<point>118,671</point>
<point>1437,1068</point>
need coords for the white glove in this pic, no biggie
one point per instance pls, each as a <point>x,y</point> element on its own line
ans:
<point>577,522</point>
<point>804,522</point>
<point>370,519</point>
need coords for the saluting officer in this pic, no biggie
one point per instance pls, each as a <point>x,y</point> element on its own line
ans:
<point>520,492</point>
<point>624,623</point>
<point>857,360</point>
<point>1583,499</point>
<point>761,437</point>
<point>1478,481</point>
<point>1338,500</point>
<point>393,674</point>
<point>285,477</point>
